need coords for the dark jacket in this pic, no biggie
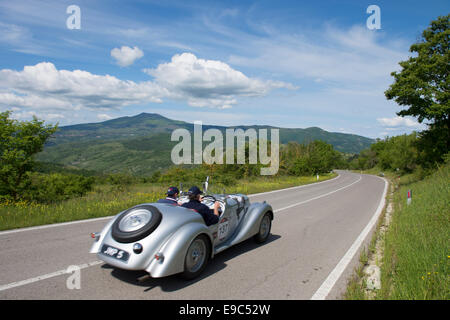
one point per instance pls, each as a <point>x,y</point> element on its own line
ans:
<point>168,200</point>
<point>208,214</point>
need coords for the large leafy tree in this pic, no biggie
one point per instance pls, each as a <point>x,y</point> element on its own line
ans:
<point>19,141</point>
<point>423,84</point>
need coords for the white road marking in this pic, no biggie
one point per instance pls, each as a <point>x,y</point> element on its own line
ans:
<point>296,187</point>
<point>318,197</point>
<point>53,225</point>
<point>333,277</point>
<point>45,276</point>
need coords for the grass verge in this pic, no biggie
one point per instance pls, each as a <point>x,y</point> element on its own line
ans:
<point>416,250</point>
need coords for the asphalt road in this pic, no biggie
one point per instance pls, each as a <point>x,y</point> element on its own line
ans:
<point>317,233</point>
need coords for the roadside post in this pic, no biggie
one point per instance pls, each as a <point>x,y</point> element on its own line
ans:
<point>409,197</point>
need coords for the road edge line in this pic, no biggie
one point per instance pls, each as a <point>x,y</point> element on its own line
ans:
<point>53,225</point>
<point>326,287</point>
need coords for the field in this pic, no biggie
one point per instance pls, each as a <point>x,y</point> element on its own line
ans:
<point>106,200</point>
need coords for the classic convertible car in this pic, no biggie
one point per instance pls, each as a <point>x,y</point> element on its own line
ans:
<point>166,239</point>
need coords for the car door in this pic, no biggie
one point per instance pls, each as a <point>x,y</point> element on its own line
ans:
<point>227,222</point>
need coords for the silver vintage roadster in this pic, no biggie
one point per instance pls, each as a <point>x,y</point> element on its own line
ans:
<point>166,239</point>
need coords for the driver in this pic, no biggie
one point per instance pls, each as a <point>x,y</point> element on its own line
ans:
<point>172,195</point>
<point>211,216</point>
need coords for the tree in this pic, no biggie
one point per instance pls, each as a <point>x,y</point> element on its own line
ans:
<point>314,158</point>
<point>423,83</point>
<point>19,141</point>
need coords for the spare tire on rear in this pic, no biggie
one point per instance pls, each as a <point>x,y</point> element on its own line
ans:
<point>136,223</point>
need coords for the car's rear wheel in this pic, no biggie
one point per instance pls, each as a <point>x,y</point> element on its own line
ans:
<point>197,257</point>
<point>136,223</point>
<point>264,228</point>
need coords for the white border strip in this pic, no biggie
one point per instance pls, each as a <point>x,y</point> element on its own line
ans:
<point>333,277</point>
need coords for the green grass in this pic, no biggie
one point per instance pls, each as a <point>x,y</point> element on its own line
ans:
<point>106,200</point>
<point>416,245</point>
<point>417,252</point>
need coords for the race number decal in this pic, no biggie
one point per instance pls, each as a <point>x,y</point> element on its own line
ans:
<point>224,227</point>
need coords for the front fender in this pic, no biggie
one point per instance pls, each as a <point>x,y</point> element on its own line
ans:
<point>251,221</point>
<point>174,250</point>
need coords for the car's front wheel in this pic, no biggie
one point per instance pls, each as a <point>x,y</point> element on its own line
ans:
<point>197,257</point>
<point>264,228</point>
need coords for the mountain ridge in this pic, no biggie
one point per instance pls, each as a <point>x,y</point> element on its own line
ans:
<point>141,144</point>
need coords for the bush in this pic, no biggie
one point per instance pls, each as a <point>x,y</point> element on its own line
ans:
<point>47,188</point>
<point>226,180</point>
<point>119,179</point>
<point>19,141</point>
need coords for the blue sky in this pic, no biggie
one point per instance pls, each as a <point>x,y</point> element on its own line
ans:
<point>284,63</point>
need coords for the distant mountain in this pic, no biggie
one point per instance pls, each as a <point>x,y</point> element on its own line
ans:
<point>141,144</point>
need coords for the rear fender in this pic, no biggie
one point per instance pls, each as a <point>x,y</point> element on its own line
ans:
<point>174,250</point>
<point>95,248</point>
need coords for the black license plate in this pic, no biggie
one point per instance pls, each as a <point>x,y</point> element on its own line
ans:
<point>115,253</point>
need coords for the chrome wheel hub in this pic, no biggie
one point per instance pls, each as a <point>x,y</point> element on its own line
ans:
<point>196,255</point>
<point>135,220</point>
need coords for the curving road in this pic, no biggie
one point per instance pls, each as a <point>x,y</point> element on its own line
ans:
<point>316,237</point>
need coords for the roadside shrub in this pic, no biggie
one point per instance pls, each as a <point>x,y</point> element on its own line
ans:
<point>119,179</point>
<point>227,180</point>
<point>47,188</point>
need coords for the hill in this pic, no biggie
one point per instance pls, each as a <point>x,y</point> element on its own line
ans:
<point>141,144</point>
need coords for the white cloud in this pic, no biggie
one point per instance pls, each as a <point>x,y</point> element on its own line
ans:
<point>198,82</point>
<point>104,116</point>
<point>345,57</point>
<point>126,56</point>
<point>52,116</point>
<point>23,115</point>
<point>11,33</point>
<point>43,86</point>
<point>208,82</point>
<point>398,122</point>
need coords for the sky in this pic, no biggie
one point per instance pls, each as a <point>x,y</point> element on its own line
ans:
<point>292,64</point>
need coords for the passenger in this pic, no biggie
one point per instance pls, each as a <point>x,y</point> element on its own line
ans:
<point>172,195</point>
<point>210,216</point>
